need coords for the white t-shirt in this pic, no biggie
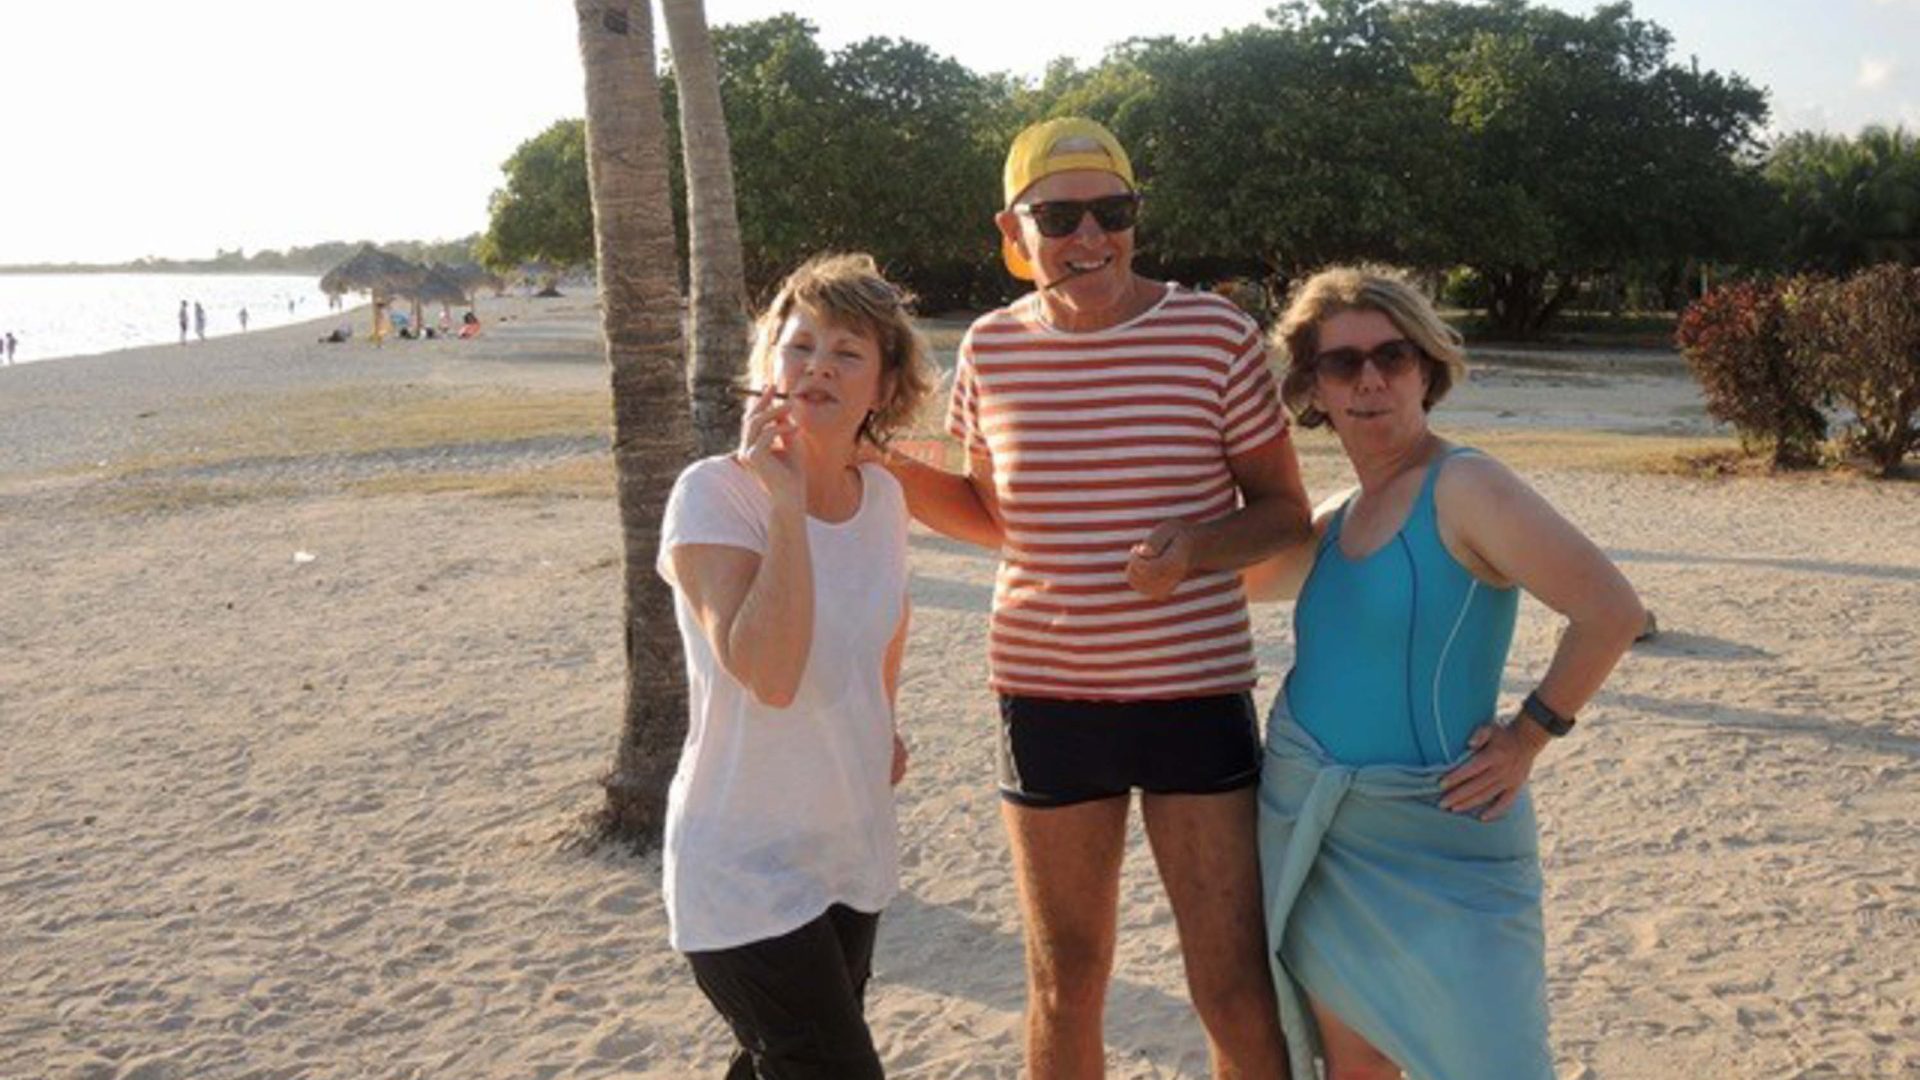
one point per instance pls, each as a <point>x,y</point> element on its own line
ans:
<point>776,814</point>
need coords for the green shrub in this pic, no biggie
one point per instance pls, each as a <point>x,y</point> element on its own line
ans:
<point>1736,342</point>
<point>1862,336</point>
<point>1463,288</point>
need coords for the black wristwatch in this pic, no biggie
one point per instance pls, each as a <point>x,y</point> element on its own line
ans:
<point>1541,713</point>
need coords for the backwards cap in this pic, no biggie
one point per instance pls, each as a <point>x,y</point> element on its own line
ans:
<point>1055,146</point>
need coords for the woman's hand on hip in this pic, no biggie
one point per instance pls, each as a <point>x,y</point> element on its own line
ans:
<point>1491,780</point>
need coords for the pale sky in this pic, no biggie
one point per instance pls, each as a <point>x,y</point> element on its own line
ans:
<point>132,128</point>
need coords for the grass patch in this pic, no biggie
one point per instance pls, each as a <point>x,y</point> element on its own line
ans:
<point>356,420</point>
<point>360,419</point>
<point>1601,451</point>
<point>576,478</point>
<point>1582,329</point>
<point>149,498</point>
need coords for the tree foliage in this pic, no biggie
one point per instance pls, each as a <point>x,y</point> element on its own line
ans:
<point>1736,340</point>
<point>1846,203</point>
<point>1274,149</point>
<point>1552,155</point>
<point>1861,336</point>
<point>1583,147</point>
<point>874,148</point>
<point>544,213</point>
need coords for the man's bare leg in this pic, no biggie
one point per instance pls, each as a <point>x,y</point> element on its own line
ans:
<point>1205,848</point>
<point>1066,861</point>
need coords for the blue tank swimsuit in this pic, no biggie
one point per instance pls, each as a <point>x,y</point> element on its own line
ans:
<point>1419,927</point>
<point>1399,654</point>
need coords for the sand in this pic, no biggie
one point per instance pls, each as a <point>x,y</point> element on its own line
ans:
<point>309,659</point>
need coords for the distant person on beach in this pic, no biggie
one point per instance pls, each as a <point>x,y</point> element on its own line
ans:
<point>1397,838</point>
<point>1127,455</point>
<point>183,322</point>
<point>788,562</point>
<point>243,320</point>
<point>10,346</point>
<point>199,321</point>
<point>469,325</point>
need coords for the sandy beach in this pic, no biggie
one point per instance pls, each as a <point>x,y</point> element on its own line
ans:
<point>310,659</point>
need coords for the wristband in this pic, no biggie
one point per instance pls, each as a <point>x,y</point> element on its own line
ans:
<point>1541,713</point>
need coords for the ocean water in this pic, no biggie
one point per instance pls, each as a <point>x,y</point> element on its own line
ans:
<point>59,315</point>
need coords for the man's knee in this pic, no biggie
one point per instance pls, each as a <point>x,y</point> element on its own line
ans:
<point>1236,1006</point>
<point>1070,973</point>
<point>1238,1000</point>
<point>1227,969</point>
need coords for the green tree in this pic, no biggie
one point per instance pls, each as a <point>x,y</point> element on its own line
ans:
<point>544,213</point>
<point>1583,147</point>
<point>1279,148</point>
<point>924,189</point>
<point>776,85</point>
<point>1847,203</point>
<point>874,148</point>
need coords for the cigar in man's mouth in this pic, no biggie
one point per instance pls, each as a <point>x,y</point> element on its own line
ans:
<point>1069,276</point>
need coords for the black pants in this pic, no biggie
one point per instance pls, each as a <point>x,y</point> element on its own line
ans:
<point>796,1003</point>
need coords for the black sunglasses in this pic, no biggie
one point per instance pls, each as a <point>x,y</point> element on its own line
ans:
<point>1060,217</point>
<point>1390,359</point>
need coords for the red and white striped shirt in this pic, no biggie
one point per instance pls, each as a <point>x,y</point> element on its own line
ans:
<point>1096,438</point>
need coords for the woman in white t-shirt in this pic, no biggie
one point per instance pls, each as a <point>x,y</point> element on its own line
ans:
<point>788,563</point>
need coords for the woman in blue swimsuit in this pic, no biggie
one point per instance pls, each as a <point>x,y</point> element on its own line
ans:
<point>1397,840</point>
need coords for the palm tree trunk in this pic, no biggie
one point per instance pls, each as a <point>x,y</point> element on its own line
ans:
<point>714,265</point>
<point>652,438</point>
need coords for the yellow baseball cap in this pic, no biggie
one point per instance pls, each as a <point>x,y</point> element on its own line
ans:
<point>1055,146</point>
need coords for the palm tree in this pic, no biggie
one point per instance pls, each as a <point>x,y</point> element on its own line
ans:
<point>715,269</point>
<point>1849,202</point>
<point>652,436</point>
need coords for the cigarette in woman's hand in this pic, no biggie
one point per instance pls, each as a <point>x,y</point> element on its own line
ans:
<point>756,391</point>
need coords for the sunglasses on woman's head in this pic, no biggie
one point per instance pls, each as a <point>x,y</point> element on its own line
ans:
<point>1060,217</point>
<point>1390,358</point>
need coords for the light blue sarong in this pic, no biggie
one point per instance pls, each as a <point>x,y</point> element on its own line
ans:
<point>1420,928</point>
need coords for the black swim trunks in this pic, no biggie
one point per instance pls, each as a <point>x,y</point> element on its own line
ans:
<point>1057,752</point>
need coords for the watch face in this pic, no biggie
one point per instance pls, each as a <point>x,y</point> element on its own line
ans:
<point>1553,722</point>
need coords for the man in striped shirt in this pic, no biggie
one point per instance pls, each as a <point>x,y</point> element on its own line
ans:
<point>1127,455</point>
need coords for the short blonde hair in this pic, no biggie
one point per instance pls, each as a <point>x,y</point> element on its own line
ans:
<point>1364,287</point>
<point>848,291</point>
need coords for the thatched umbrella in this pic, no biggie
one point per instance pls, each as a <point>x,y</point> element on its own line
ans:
<point>371,270</point>
<point>473,277</point>
<point>438,285</point>
<point>376,273</point>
